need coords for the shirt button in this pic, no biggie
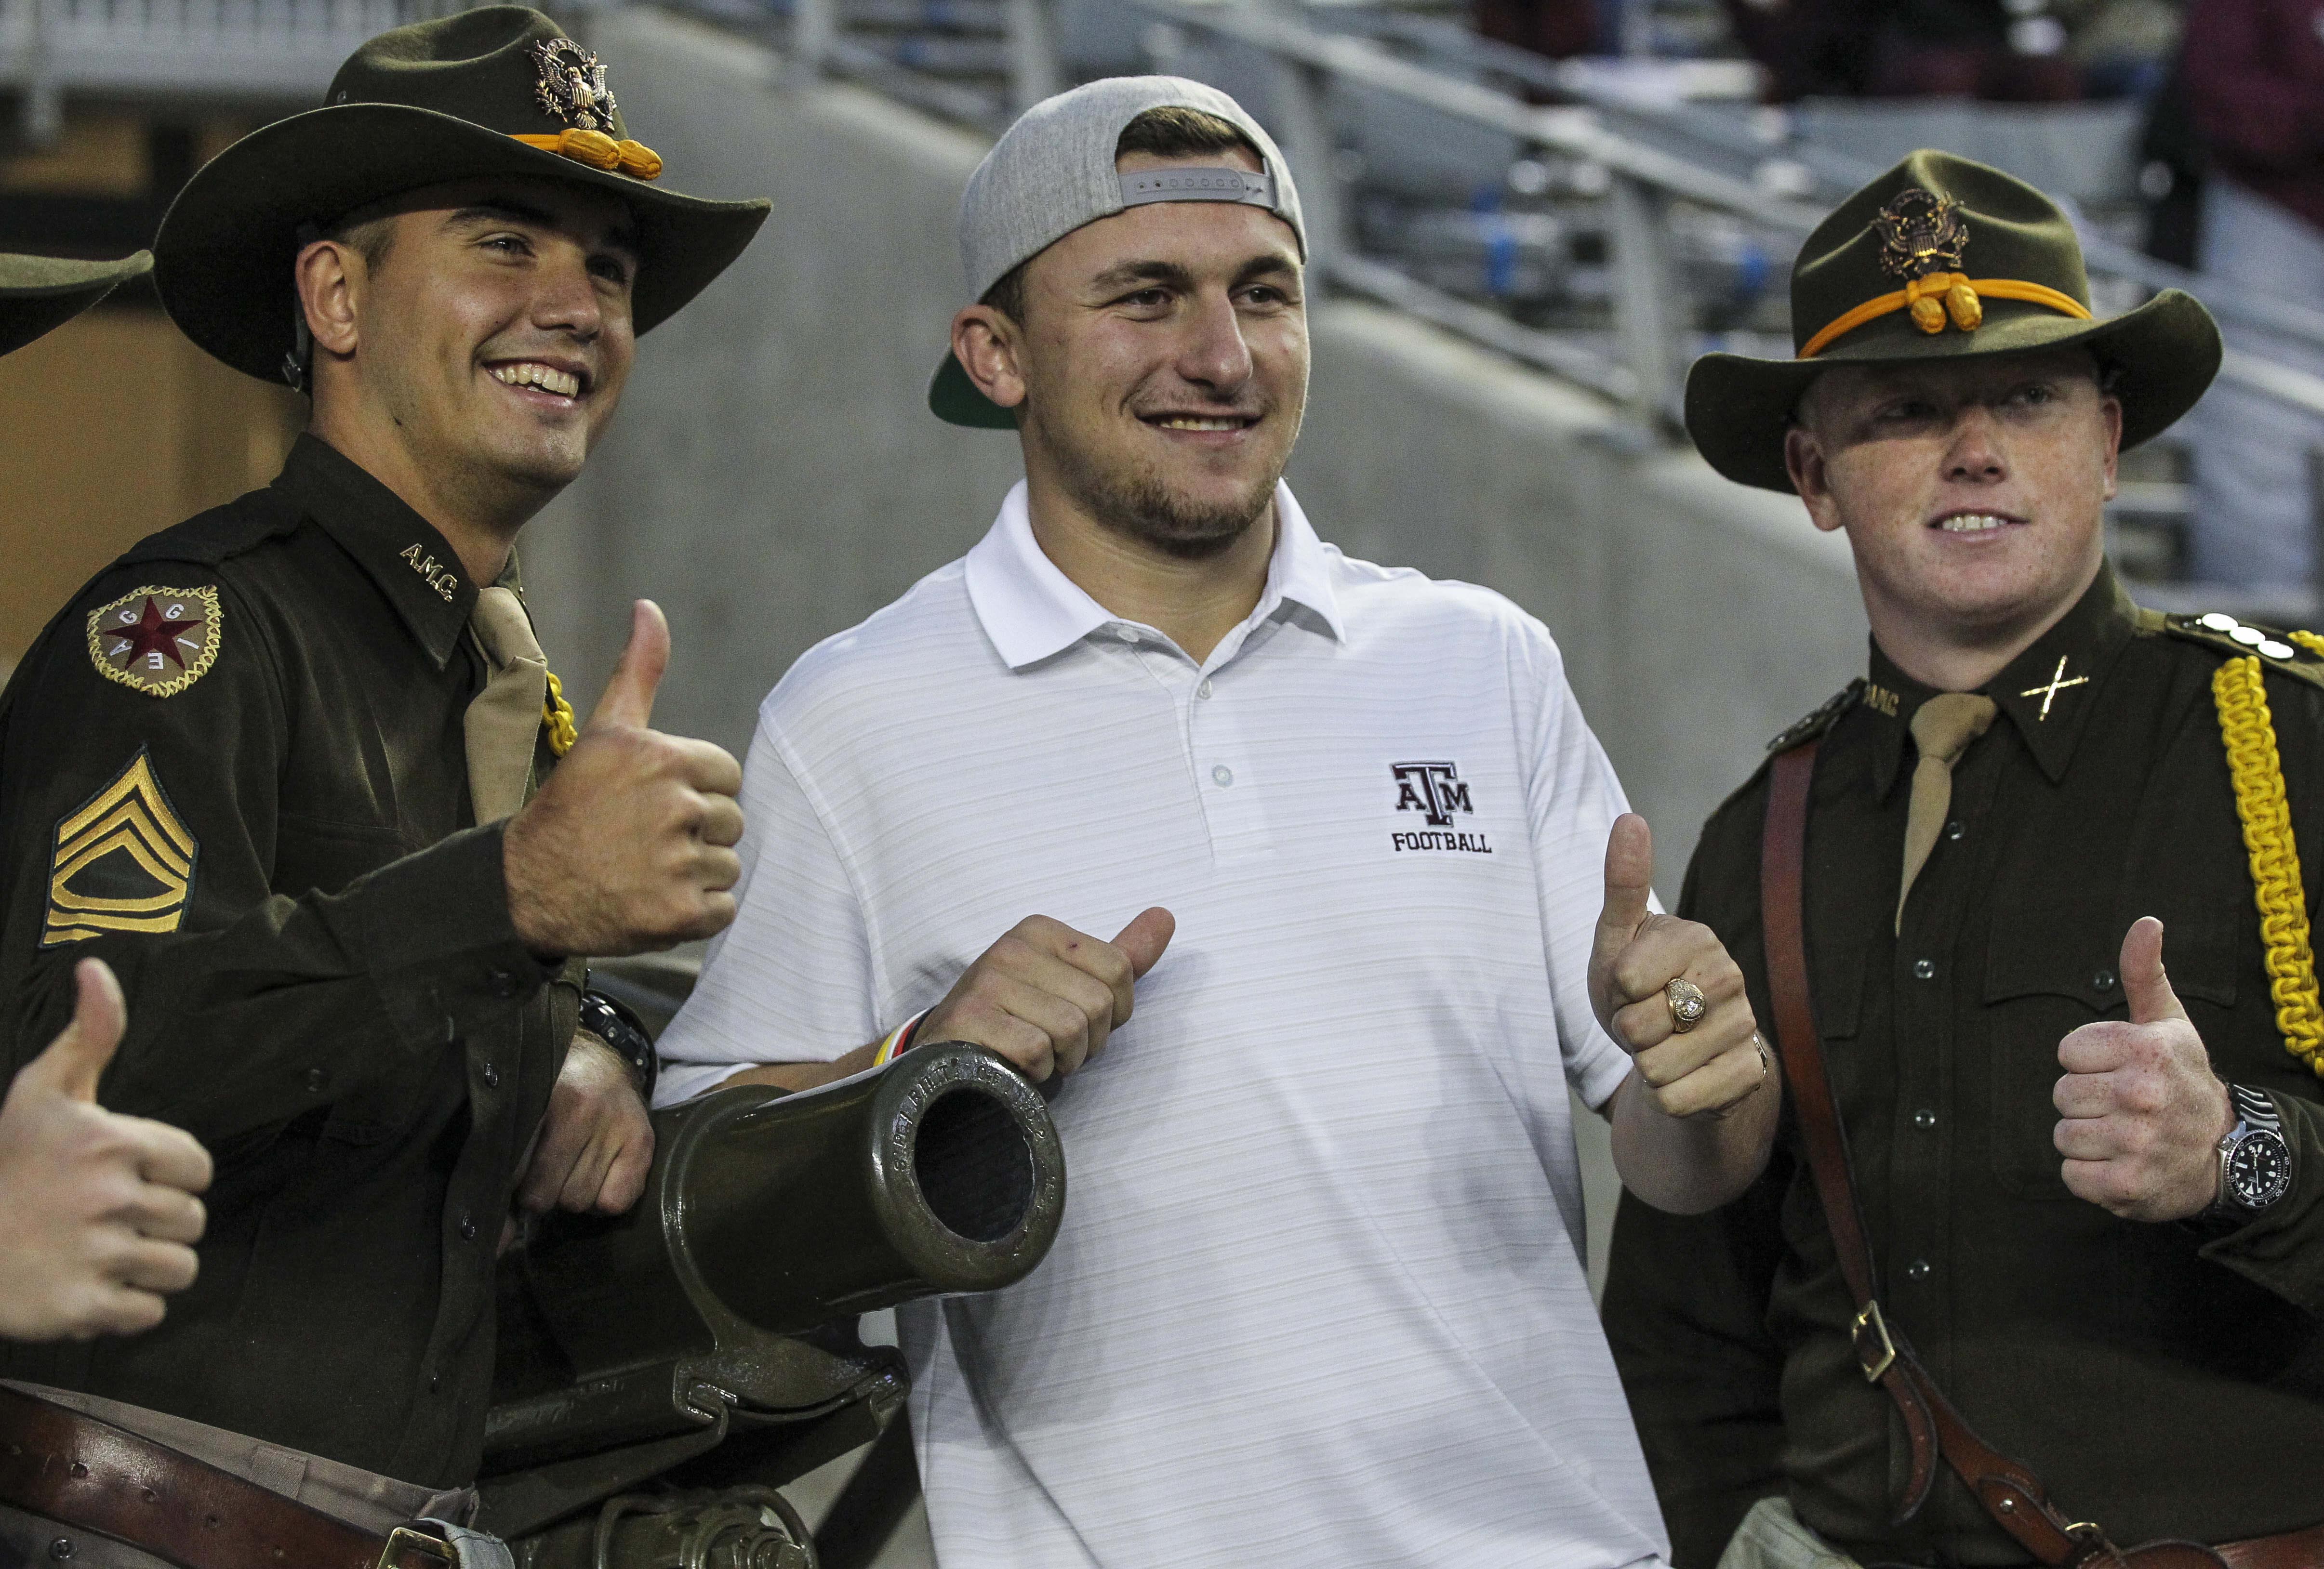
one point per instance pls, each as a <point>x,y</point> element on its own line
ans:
<point>1924,1119</point>
<point>1954,829</point>
<point>467,1228</point>
<point>500,983</point>
<point>1128,634</point>
<point>1223,775</point>
<point>2103,981</point>
<point>1925,968</point>
<point>492,1076</point>
<point>1203,690</point>
<point>316,1079</point>
<point>435,1383</point>
<point>1918,1269</point>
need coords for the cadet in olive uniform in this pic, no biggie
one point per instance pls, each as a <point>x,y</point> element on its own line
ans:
<point>277,765</point>
<point>2091,1195</point>
<point>97,1210</point>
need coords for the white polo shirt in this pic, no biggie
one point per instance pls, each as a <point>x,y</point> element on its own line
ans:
<point>1319,1296</point>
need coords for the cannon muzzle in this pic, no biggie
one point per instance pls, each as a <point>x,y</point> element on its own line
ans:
<point>768,1218</point>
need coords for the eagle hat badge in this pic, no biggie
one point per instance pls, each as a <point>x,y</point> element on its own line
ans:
<point>1921,238</point>
<point>572,85</point>
<point>156,640</point>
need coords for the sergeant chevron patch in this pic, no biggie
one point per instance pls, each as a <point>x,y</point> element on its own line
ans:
<point>124,862</point>
<point>157,640</point>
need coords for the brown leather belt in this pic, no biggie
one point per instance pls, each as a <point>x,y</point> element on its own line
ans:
<point>2011,1493</point>
<point>93,1476</point>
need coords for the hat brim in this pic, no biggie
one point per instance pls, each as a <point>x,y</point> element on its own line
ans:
<point>2164,355</point>
<point>223,255</point>
<point>953,398</point>
<point>41,293</point>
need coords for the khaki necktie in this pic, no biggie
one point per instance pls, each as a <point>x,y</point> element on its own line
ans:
<point>503,720</point>
<point>1942,728</point>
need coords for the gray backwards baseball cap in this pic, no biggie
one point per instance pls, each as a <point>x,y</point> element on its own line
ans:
<point>1053,170</point>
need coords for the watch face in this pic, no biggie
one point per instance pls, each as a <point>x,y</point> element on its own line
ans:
<point>2259,1173</point>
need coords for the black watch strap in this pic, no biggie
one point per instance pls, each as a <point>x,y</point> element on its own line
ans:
<point>614,1024</point>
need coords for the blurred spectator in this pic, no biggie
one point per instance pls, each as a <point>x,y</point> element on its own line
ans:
<point>1560,29</point>
<point>2254,71</point>
<point>1909,49</point>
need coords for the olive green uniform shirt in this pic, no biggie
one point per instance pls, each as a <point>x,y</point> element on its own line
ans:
<point>322,980</point>
<point>2164,1382</point>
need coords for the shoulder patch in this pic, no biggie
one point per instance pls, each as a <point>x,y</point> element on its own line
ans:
<point>1802,732</point>
<point>2296,654</point>
<point>156,640</point>
<point>122,861</point>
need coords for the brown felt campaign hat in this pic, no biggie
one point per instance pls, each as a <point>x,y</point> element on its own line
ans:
<point>41,292</point>
<point>496,91</point>
<point>1943,258</point>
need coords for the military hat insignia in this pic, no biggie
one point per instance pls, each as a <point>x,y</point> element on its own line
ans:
<point>157,640</point>
<point>123,861</point>
<point>572,85</point>
<point>1921,238</point>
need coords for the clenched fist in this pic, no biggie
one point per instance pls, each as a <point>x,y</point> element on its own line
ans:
<point>629,847</point>
<point>98,1212</point>
<point>2144,1113</point>
<point>1637,955</point>
<point>1045,997</point>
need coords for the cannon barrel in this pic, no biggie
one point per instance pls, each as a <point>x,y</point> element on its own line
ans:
<point>767,1220</point>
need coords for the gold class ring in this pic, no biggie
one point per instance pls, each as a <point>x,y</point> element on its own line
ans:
<point>1687,1006</point>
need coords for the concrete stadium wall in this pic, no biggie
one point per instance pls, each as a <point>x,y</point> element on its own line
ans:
<point>775,476</point>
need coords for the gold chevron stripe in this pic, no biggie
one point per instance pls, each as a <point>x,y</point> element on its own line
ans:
<point>131,816</point>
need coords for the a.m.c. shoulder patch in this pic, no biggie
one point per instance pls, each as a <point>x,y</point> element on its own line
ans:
<point>124,861</point>
<point>157,640</point>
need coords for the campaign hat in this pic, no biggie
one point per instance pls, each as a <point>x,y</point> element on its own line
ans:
<point>1942,258</point>
<point>494,92</point>
<point>1053,171</point>
<point>37,293</point>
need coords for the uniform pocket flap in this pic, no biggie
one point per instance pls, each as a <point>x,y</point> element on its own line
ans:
<point>2063,951</point>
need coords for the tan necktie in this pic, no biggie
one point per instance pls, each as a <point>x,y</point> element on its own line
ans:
<point>1942,728</point>
<point>503,720</point>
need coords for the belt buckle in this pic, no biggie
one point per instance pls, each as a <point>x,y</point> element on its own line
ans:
<point>1869,1319</point>
<point>406,1537</point>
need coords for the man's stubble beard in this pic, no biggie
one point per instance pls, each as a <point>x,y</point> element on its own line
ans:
<point>1134,502</point>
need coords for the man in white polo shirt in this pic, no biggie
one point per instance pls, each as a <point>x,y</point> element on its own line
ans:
<point>1319,1297</point>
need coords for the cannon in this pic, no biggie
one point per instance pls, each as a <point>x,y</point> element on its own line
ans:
<point>660,1373</point>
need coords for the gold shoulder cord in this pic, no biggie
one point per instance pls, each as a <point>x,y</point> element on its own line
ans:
<point>558,715</point>
<point>2249,730</point>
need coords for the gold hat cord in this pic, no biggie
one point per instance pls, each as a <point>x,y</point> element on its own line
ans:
<point>599,151</point>
<point>1941,295</point>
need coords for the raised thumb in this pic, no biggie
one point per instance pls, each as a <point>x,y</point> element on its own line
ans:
<point>629,696</point>
<point>1629,880</point>
<point>2144,986</point>
<point>77,1058</point>
<point>1145,938</point>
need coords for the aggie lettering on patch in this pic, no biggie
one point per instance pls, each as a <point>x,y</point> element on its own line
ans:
<point>156,640</point>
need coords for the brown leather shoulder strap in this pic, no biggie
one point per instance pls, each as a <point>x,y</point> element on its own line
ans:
<point>93,1476</point>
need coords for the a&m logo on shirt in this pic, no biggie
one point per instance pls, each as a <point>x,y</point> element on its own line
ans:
<point>158,640</point>
<point>1436,791</point>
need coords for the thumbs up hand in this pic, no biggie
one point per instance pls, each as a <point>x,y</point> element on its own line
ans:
<point>629,847</point>
<point>2143,1111</point>
<point>1715,1063</point>
<point>98,1212</point>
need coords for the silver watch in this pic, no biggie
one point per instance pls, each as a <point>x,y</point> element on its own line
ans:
<point>2254,1158</point>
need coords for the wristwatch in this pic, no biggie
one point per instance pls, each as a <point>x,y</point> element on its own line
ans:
<point>620,1029</point>
<point>2254,1158</point>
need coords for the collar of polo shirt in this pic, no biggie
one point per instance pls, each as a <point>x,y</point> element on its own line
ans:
<point>1031,610</point>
